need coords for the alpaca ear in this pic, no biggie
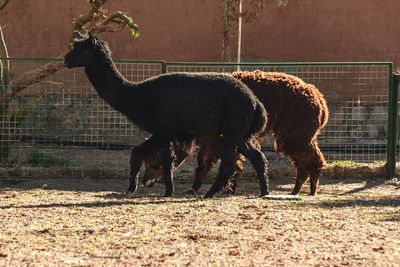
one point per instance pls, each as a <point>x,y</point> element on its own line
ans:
<point>92,38</point>
<point>78,35</point>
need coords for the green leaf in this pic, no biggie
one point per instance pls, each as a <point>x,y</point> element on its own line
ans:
<point>131,24</point>
<point>135,33</point>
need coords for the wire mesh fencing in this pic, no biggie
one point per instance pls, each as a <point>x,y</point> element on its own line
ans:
<point>59,126</point>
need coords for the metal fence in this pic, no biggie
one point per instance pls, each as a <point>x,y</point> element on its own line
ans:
<point>61,126</point>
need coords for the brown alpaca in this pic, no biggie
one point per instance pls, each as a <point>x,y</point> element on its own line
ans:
<point>297,111</point>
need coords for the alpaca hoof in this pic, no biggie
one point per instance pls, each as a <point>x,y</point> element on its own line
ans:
<point>149,183</point>
<point>313,191</point>
<point>168,194</point>
<point>209,195</point>
<point>264,194</point>
<point>295,191</point>
<point>190,192</point>
<point>228,192</point>
<point>132,188</point>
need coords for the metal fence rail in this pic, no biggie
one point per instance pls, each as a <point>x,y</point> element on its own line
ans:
<point>60,124</point>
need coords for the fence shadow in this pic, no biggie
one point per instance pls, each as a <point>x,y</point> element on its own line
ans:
<point>369,183</point>
<point>95,204</point>
<point>380,202</point>
<point>117,187</point>
<point>120,185</point>
<point>65,184</point>
<point>393,218</point>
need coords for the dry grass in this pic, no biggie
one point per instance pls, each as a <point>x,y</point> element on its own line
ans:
<point>87,222</point>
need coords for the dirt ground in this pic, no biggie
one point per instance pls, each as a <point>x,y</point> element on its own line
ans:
<point>89,222</point>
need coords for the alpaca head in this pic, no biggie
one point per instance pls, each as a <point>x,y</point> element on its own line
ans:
<point>153,169</point>
<point>83,51</point>
<point>153,163</point>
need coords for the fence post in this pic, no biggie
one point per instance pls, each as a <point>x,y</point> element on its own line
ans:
<point>163,67</point>
<point>392,126</point>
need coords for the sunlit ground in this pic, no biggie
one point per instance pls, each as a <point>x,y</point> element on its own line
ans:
<point>87,222</point>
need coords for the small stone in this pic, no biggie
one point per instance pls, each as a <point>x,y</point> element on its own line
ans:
<point>127,234</point>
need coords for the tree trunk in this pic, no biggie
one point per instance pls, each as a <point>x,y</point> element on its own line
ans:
<point>226,48</point>
<point>31,77</point>
<point>11,116</point>
<point>4,64</point>
<point>226,55</point>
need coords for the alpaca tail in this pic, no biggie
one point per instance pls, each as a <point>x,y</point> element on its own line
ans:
<point>324,110</point>
<point>324,113</point>
<point>260,121</point>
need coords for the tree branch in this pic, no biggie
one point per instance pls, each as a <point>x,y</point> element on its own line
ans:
<point>121,19</point>
<point>2,6</point>
<point>5,64</point>
<point>31,77</point>
<point>97,21</point>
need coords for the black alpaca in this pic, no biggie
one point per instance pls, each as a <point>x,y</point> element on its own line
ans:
<point>178,104</point>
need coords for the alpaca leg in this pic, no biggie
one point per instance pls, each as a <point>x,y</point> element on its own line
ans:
<point>168,157</point>
<point>226,170</point>
<point>201,173</point>
<point>259,162</point>
<point>239,171</point>
<point>136,163</point>
<point>309,162</point>
<point>139,153</point>
<point>301,178</point>
<point>232,183</point>
<point>314,181</point>
<point>318,163</point>
<point>204,164</point>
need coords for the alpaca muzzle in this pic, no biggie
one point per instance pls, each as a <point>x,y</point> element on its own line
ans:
<point>68,62</point>
<point>68,65</point>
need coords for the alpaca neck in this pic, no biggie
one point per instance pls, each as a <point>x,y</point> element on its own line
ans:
<point>108,82</point>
